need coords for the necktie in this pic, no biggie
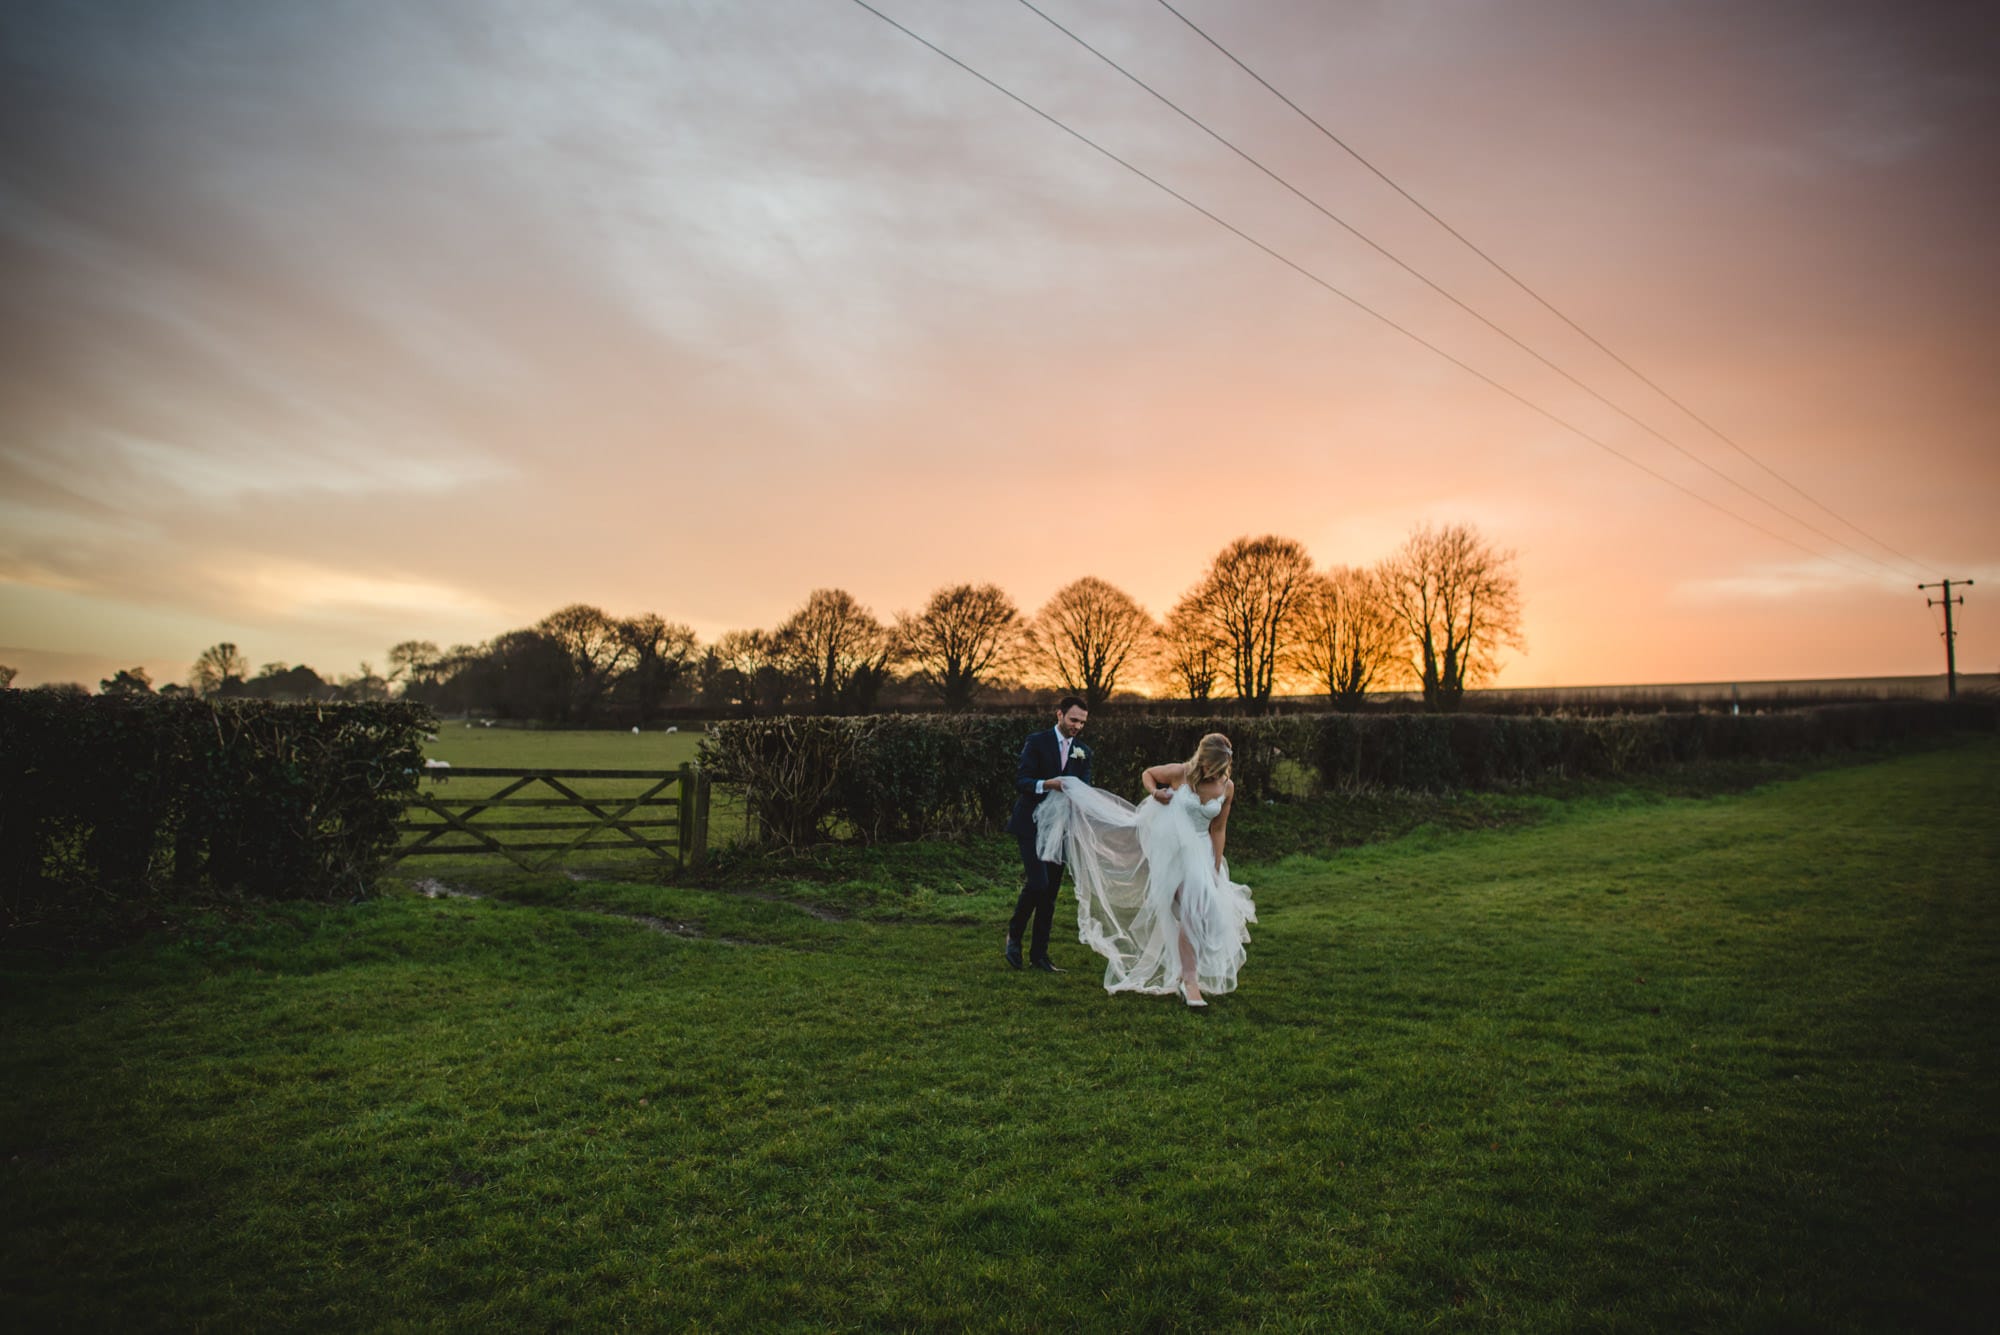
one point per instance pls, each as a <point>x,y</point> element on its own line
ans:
<point>1065,752</point>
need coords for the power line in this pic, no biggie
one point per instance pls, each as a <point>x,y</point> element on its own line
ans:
<point>1425,279</point>
<point>1356,302</point>
<point>1545,303</point>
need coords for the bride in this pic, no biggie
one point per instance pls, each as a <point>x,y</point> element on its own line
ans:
<point>1153,894</point>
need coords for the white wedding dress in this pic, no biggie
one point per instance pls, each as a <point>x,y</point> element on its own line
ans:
<point>1142,874</point>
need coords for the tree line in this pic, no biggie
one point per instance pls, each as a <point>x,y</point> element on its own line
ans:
<point>1262,620</point>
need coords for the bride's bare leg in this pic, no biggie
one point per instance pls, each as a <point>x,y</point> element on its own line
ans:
<point>1188,978</point>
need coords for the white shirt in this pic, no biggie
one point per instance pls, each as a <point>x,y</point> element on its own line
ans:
<point>1063,744</point>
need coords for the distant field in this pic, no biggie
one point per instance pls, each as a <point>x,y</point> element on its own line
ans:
<point>473,744</point>
<point>1805,691</point>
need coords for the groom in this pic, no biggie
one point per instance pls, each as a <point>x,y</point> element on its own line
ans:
<point>1045,759</point>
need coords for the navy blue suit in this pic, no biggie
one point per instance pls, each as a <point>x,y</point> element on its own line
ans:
<point>1041,758</point>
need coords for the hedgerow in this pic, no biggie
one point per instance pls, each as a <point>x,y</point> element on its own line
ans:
<point>895,777</point>
<point>113,798</point>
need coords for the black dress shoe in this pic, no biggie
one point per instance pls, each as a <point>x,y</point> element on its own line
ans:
<point>1046,965</point>
<point>1013,954</point>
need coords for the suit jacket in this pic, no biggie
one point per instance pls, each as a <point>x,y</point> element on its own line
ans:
<point>1041,758</point>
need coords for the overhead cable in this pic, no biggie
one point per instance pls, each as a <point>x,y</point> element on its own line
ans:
<point>1356,302</point>
<point>1549,306</point>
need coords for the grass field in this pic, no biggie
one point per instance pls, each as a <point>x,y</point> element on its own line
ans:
<point>1629,1061</point>
<point>471,744</point>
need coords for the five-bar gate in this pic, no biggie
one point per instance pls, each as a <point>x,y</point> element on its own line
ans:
<point>668,818</point>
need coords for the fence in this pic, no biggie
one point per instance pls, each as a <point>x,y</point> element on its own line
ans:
<point>674,803</point>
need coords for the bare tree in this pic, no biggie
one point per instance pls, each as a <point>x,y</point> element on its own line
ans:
<point>1088,636</point>
<point>597,652</point>
<point>1250,597</point>
<point>365,686</point>
<point>281,681</point>
<point>1458,603</point>
<point>662,653</point>
<point>961,635</point>
<point>1190,655</point>
<point>828,641</point>
<point>1348,639</point>
<point>128,681</point>
<point>415,663</point>
<point>7,675</point>
<point>219,667</point>
<point>742,669</point>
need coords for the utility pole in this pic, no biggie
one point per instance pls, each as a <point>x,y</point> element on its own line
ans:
<point>1950,635</point>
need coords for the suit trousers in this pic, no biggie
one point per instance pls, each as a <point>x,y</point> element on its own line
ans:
<point>1038,897</point>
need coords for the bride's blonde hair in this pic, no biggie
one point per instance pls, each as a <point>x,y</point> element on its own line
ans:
<point>1210,760</point>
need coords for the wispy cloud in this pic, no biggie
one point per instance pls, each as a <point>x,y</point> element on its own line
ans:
<point>298,590</point>
<point>1810,578</point>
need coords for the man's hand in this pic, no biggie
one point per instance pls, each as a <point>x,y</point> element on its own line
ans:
<point>1051,785</point>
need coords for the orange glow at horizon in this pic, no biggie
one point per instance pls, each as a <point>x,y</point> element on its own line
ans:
<point>416,335</point>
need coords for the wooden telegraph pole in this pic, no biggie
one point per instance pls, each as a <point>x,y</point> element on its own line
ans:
<point>1950,635</point>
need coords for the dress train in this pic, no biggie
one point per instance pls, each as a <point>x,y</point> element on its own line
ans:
<point>1143,875</point>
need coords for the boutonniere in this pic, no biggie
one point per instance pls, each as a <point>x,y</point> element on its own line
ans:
<point>1077,752</point>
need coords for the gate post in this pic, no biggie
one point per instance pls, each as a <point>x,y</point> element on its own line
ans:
<point>699,852</point>
<point>691,817</point>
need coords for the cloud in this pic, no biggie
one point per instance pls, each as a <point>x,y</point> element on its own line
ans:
<point>290,589</point>
<point>1810,578</point>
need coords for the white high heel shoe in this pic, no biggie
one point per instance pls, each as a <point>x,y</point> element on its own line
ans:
<point>1192,1001</point>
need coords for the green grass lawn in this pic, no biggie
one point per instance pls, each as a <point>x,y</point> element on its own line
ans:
<point>1643,1062</point>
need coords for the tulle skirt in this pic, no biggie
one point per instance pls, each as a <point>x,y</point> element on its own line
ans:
<point>1143,875</point>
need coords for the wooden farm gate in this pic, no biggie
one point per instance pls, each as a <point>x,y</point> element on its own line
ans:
<point>668,818</point>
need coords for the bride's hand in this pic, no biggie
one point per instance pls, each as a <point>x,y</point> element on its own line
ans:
<point>1163,795</point>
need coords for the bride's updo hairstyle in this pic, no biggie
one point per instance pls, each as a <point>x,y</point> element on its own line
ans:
<point>1210,760</point>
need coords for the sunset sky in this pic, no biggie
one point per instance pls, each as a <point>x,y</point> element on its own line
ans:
<point>326,325</point>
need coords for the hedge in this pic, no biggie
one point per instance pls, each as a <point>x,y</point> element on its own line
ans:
<point>110,798</point>
<point>897,777</point>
